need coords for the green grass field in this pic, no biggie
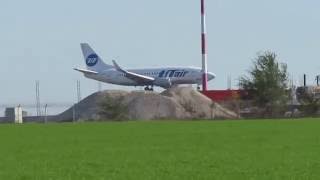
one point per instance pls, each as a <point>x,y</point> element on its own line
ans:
<point>275,149</point>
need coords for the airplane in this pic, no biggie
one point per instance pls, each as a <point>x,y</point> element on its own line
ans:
<point>165,77</point>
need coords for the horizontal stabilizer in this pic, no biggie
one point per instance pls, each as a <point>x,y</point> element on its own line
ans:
<point>85,71</point>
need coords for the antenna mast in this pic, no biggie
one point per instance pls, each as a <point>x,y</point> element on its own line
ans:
<point>203,47</point>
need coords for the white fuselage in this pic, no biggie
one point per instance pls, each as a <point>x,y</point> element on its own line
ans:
<point>177,75</point>
<point>166,77</point>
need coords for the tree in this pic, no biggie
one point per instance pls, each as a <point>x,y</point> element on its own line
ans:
<point>267,83</point>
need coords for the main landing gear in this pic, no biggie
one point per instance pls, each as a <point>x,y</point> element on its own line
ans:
<point>148,88</point>
<point>198,87</point>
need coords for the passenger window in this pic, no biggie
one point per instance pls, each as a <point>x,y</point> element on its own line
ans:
<point>161,73</point>
<point>171,73</point>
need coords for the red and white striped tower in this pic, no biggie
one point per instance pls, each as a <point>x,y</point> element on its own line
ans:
<point>203,46</point>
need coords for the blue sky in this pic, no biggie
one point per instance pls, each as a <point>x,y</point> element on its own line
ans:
<point>39,40</point>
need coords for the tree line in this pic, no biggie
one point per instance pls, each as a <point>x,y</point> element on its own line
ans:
<point>267,82</point>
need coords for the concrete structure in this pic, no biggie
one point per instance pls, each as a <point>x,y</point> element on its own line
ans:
<point>14,114</point>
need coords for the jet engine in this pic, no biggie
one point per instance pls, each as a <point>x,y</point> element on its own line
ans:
<point>164,83</point>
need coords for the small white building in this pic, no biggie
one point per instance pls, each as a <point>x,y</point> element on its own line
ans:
<point>14,114</point>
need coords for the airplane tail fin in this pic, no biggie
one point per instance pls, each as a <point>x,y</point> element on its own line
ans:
<point>92,59</point>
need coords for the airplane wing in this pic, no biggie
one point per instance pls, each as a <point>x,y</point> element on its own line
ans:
<point>85,71</point>
<point>134,76</point>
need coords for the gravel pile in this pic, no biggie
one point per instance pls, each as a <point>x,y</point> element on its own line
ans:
<point>174,103</point>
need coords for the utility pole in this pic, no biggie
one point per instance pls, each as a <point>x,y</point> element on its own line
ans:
<point>78,91</point>
<point>229,83</point>
<point>45,113</point>
<point>99,86</point>
<point>38,105</point>
<point>74,113</point>
<point>318,79</point>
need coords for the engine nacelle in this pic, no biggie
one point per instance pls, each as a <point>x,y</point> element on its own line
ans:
<point>164,83</point>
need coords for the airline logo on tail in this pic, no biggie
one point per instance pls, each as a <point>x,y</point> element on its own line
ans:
<point>92,60</point>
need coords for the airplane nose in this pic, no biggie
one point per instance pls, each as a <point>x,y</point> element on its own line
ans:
<point>211,76</point>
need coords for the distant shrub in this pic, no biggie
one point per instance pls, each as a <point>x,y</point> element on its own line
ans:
<point>113,108</point>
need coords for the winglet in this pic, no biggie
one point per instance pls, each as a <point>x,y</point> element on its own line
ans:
<point>118,68</point>
<point>132,75</point>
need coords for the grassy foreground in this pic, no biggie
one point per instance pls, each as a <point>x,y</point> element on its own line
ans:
<point>283,149</point>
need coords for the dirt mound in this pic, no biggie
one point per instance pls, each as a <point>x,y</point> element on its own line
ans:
<point>197,104</point>
<point>174,103</point>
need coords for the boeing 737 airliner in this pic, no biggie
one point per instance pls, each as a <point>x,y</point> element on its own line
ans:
<point>114,74</point>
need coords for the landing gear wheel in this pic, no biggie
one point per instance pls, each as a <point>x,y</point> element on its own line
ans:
<point>148,88</point>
